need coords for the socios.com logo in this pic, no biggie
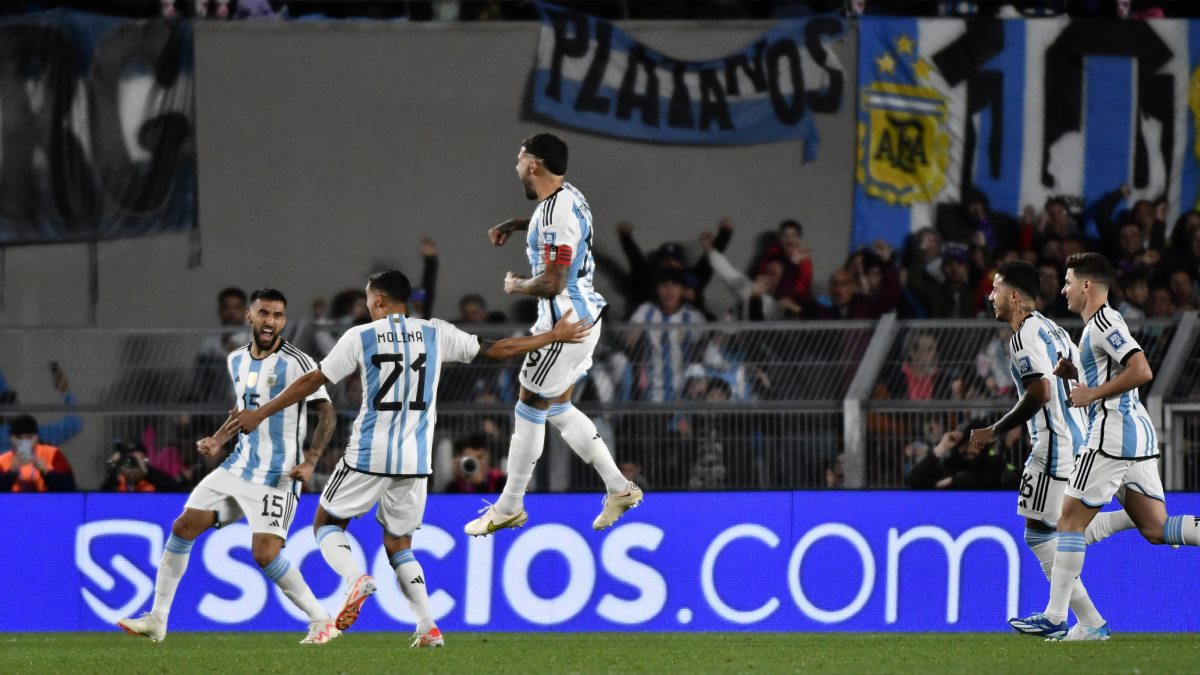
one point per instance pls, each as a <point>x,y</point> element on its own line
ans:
<point>602,585</point>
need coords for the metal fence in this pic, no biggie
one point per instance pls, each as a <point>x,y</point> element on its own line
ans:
<point>702,406</point>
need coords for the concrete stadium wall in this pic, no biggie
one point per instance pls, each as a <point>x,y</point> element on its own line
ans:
<point>328,150</point>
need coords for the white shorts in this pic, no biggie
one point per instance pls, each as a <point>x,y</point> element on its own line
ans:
<point>1041,494</point>
<point>269,510</point>
<point>1098,477</point>
<point>350,493</point>
<point>549,371</point>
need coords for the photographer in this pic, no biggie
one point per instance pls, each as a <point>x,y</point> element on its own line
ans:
<point>473,471</point>
<point>130,471</point>
<point>31,466</point>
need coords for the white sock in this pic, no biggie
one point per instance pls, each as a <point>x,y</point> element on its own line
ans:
<point>1043,545</point>
<point>1182,531</point>
<point>1106,524</point>
<point>529,436</point>
<point>579,432</point>
<point>412,583</point>
<point>335,548</point>
<point>170,570</point>
<point>1068,563</point>
<point>292,584</point>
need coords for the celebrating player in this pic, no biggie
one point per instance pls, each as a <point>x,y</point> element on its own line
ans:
<point>1122,447</point>
<point>559,249</point>
<point>388,459</point>
<point>261,478</point>
<point>1054,426</point>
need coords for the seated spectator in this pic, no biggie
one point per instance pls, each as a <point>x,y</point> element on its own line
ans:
<point>920,377</point>
<point>1161,305</point>
<point>1050,300</point>
<point>54,433</point>
<point>953,296</point>
<point>473,470</point>
<point>664,353</point>
<point>1183,290</point>
<point>633,471</point>
<point>31,466</point>
<point>129,470</point>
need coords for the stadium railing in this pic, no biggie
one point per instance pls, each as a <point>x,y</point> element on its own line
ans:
<point>700,406</point>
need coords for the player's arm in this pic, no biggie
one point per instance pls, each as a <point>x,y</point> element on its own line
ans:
<point>548,284</point>
<point>1137,372</point>
<point>1036,396</point>
<point>326,422</point>
<point>301,388</point>
<point>500,233</point>
<point>564,330</point>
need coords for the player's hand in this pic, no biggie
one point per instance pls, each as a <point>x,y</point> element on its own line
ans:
<point>246,420</point>
<point>510,282</point>
<point>1066,369</point>
<point>500,233</point>
<point>566,330</point>
<point>1081,395</point>
<point>302,471</point>
<point>981,438</point>
<point>208,447</point>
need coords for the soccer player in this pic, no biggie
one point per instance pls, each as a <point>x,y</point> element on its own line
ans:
<point>1122,447</point>
<point>388,458</point>
<point>1055,428</point>
<point>261,478</point>
<point>559,250</point>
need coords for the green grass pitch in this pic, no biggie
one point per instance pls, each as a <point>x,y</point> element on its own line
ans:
<point>974,653</point>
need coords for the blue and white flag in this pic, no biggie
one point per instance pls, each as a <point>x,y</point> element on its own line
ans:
<point>1021,110</point>
<point>593,76</point>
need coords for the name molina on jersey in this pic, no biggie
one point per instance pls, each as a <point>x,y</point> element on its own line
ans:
<point>399,337</point>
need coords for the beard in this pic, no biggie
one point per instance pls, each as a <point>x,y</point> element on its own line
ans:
<point>265,346</point>
<point>530,194</point>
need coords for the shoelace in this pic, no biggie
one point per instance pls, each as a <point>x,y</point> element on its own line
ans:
<point>486,505</point>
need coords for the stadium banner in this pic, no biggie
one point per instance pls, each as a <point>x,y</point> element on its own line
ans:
<point>1019,111</point>
<point>592,75</point>
<point>98,125</point>
<point>782,561</point>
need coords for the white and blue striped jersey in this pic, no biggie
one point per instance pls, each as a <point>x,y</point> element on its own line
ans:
<point>560,233</point>
<point>1118,426</point>
<point>266,455</point>
<point>400,360</point>
<point>1057,432</point>
<point>667,347</point>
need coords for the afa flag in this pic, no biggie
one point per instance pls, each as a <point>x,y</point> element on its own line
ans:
<point>1019,111</point>
<point>591,75</point>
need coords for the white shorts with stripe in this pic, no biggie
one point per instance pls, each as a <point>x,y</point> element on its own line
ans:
<point>269,510</point>
<point>1098,477</point>
<point>350,494</point>
<point>1041,494</point>
<point>549,371</point>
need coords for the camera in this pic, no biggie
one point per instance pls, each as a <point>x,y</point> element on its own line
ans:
<point>468,465</point>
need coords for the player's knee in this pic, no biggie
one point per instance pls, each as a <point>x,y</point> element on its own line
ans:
<point>187,527</point>
<point>264,558</point>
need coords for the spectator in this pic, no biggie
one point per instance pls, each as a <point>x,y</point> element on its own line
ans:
<point>1050,300</point>
<point>1135,288</point>
<point>54,433</point>
<point>1183,290</point>
<point>210,381</point>
<point>973,222</point>
<point>756,299</point>
<point>129,470</point>
<point>920,378</point>
<point>420,303</point>
<point>795,257</point>
<point>953,296</point>
<point>877,276</point>
<point>633,471</point>
<point>472,309</point>
<point>835,472</point>
<point>953,464</point>
<point>668,256</point>
<point>473,470</point>
<point>31,466</point>
<point>1160,305</point>
<point>666,352</point>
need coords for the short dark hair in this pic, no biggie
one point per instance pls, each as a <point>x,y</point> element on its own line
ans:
<point>391,283</point>
<point>471,441</point>
<point>23,425</point>
<point>790,224</point>
<point>1057,200</point>
<point>268,293</point>
<point>231,292</point>
<point>472,299</point>
<point>1020,275</point>
<point>550,150</point>
<point>1092,266</point>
